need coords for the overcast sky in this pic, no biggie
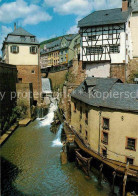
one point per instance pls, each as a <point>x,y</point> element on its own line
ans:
<point>48,18</point>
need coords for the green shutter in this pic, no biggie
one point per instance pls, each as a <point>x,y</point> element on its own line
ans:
<point>17,49</point>
<point>11,49</point>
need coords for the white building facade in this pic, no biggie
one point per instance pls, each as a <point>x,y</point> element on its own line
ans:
<point>106,41</point>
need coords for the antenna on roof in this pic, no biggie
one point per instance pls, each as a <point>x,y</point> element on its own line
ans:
<point>15,26</point>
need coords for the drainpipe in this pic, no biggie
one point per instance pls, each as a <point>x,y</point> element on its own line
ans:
<point>100,112</point>
<point>39,76</point>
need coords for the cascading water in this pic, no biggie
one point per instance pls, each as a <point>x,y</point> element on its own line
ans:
<point>50,116</point>
<point>57,141</point>
<point>46,86</point>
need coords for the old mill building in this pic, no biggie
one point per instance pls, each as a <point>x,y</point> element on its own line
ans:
<point>104,118</point>
<point>109,41</point>
<point>21,48</point>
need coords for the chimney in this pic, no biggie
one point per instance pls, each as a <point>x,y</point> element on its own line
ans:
<point>15,26</point>
<point>124,5</point>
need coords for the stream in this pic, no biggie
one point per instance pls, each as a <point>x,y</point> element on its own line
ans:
<point>31,165</point>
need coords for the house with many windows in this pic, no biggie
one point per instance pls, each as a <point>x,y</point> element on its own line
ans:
<point>21,48</point>
<point>108,41</point>
<point>104,113</point>
<point>60,51</point>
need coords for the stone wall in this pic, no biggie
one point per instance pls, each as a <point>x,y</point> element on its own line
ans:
<point>118,71</point>
<point>76,77</point>
<point>25,97</point>
<point>31,74</point>
<point>78,72</point>
<point>132,70</point>
<point>8,79</point>
<point>57,78</point>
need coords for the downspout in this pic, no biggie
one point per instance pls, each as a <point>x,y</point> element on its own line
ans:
<point>100,112</point>
<point>39,73</point>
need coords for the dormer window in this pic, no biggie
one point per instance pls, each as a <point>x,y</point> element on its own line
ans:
<point>14,49</point>
<point>32,39</point>
<point>33,49</point>
<point>23,38</point>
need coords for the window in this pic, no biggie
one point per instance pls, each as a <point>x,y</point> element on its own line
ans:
<point>131,161</point>
<point>105,123</point>
<point>104,153</point>
<point>94,50</point>
<point>23,38</point>
<point>105,138</point>
<point>86,135</point>
<point>32,39</point>
<point>14,49</point>
<point>114,49</point>
<point>131,144</point>
<point>75,106</point>
<point>80,129</point>
<point>92,38</point>
<point>86,117</point>
<point>20,80</point>
<point>33,72</point>
<point>80,112</point>
<point>33,49</point>
<point>110,36</point>
<point>126,36</point>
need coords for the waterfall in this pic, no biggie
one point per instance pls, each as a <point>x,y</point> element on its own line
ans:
<point>57,141</point>
<point>46,86</point>
<point>50,116</point>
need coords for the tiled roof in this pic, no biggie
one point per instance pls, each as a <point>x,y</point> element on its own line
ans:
<point>105,17</point>
<point>108,93</point>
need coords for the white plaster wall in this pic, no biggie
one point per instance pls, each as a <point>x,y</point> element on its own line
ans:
<point>23,57</point>
<point>115,57</point>
<point>101,70</point>
<point>134,33</point>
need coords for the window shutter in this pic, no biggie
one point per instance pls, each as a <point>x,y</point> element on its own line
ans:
<point>17,49</point>
<point>30,49</point>
<point>11,49</point>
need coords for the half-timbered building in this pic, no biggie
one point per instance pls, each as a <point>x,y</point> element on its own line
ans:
<point>106,44</point>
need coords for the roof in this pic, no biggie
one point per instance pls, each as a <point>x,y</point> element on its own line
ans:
<point>21,31</point>
<point>108,93</point>
<point>70,37</point>
<point>104,17</point>
<point>54,44</point>
<point>15,37</point>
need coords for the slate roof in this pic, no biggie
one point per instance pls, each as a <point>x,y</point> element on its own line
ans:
<point>70,37</point>
<point>105,17</point>
<point>21,31</point>
<point>54,43</point>
<point>15,37</point>
<point>119,96</point>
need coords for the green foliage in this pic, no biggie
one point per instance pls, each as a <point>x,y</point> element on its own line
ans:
<point>17,112</point>
<point>132,76</point>
<point>69,77</point>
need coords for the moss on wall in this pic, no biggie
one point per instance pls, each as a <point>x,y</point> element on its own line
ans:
<point>57,79</point>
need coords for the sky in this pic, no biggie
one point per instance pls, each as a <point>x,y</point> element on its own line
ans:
<point>48,18</point>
